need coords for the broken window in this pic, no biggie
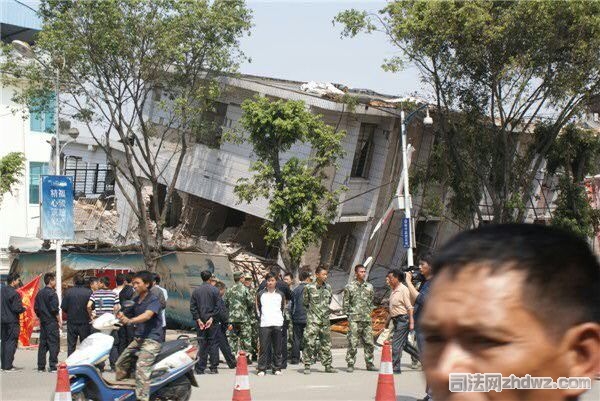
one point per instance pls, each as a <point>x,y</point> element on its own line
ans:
<point>213,121</point>
<point>364,151</point>
<point>89,178</point>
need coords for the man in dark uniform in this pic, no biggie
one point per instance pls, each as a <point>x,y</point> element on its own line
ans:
<point>204,306</point>
<point>125,333</point>
<point>46,309</point>
<point>78,320</point>
<point>223,325</point>
<point>11,308</point>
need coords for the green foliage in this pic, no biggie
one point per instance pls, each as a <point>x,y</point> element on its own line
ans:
<point>500,65</point>
<point>300,203</point>
<point>573,210</point>
<point>575,155</point>
<point>11,170</point>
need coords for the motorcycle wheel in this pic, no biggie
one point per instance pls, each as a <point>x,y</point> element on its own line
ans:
<point>178,390</point>
<point>78,397</point>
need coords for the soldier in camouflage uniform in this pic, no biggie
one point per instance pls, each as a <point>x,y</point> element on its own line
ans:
<point>253,317</point>
<point>358,305</point>
<point>240,304</point>
<point>317,335</point>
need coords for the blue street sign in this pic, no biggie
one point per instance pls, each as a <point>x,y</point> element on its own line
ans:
<point>406,233</point>
<point>57,220</point>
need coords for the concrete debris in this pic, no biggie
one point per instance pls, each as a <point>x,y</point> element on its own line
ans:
<point>320,88</point>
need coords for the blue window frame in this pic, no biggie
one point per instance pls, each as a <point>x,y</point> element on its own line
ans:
<point>36,171</point>
<point>41,115</point>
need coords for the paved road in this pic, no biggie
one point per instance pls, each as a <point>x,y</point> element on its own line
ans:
<point>292,385</point>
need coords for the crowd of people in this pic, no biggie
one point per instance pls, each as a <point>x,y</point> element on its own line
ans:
<point>274,323</point>
<point>487,281</point>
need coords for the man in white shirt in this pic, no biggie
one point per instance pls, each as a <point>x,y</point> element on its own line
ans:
<point>270,303</point>
<point>162,312</point>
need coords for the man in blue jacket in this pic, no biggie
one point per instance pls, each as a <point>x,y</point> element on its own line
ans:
<point>298,313</point>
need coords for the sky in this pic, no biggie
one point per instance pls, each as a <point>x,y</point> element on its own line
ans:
<point>296,40</point>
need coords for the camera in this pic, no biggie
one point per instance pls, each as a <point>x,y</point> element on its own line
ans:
<point>416,273</point>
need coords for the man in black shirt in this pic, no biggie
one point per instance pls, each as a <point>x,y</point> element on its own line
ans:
<point>298,312</point>
<point>222,323</point>
<point>78,320</point>
<point>46,309</point>
<point>11,308</point>
<point>127,293</point>
<point>204,305</point>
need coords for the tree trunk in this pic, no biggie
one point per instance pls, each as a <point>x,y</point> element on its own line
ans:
<point>290,265</point>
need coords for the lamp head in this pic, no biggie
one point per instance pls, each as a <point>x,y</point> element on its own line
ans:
<point>428,120</point>
<point>23,48</point>
<point>73,133</point>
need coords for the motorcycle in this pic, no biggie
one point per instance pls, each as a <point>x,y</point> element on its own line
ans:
<point>172,375</point>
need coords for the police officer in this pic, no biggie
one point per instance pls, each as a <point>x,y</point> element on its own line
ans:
<point>46,309</point>
<point>11,308</point>
<point>74,304</point>
<point>358,304</point>
<point>204,306</point>
<point>222,322</point>
<point>241,307</point>
<point>317,335</point>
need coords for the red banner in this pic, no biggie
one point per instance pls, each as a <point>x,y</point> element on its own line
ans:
<point>28,318</point>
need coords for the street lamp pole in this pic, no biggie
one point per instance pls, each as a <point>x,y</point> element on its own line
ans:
<point>25,50</point>
<point>57,172</point>
<point>407,199</point>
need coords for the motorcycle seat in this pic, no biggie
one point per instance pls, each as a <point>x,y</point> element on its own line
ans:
<point>171,347</point>
<point>125,384</point>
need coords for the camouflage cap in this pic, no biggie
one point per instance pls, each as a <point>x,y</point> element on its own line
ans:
<point>238,275</point>
<point>247,276</point>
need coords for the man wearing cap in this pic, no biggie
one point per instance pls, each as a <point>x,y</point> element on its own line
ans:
<point>240,304</point>
<point>248,280</point>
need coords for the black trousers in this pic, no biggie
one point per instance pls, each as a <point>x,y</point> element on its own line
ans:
<point>125,335</point>
<point>297,344</point>
<point>399,340</point>
<point>9,337</point>
<point>76,331</point>
<point>270,342</point>
<point>284,339</point>
<point>224,347</point>
<point>49,343</point>
<point>207,343</point>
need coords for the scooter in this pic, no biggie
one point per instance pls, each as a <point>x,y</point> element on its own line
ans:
<point>172,375</point>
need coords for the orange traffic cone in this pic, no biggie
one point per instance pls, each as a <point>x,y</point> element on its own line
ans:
<point>385,382</point>
<point>63,386</point>
<point>241,387</point>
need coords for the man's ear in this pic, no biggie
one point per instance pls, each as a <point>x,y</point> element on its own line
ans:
<point>581,346</point>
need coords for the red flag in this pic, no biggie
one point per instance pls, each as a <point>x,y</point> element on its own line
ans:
<point>27,318</point>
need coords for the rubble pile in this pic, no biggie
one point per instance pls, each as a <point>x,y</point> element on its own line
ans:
<point>378,317</point>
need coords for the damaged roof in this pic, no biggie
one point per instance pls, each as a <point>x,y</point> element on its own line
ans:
<point>331,96</point>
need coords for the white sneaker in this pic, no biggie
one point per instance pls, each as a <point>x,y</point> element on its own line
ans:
<point>261,373</point>
<point>277,373</point>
